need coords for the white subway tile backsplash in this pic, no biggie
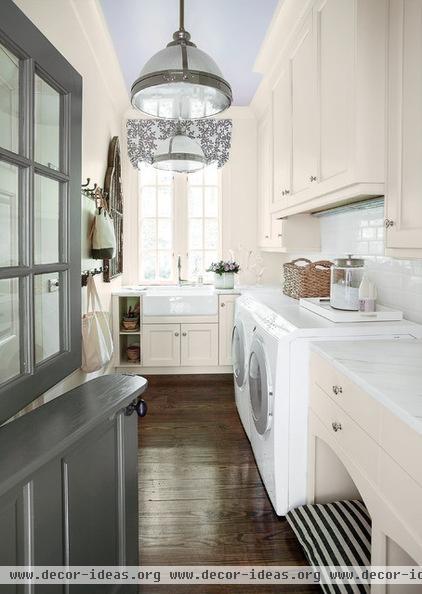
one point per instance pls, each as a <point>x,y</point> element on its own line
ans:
<point>361,232</point>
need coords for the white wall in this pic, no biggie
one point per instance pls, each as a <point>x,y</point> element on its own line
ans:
<point>78,30</point>
<point>361,232</point>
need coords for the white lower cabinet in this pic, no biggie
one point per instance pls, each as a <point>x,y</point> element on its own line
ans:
<point>226,322</point>
<point>199,345</point>
<point>161,345</point>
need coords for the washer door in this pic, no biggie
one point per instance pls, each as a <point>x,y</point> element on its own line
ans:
<point>238,353</point>
<point>260,390</point>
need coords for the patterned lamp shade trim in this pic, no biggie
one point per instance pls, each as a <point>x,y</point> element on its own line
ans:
<point>213,135</point>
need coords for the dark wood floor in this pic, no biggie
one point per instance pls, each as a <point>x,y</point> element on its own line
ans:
<point>201,497</point>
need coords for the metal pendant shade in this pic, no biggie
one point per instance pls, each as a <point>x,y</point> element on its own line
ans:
<point>179,153</point>
<point>181,81</point>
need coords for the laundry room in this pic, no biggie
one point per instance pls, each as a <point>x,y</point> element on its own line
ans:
<point>211,296</point>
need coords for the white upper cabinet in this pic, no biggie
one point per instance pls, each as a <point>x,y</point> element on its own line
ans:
<point>302,69</point>
<point>265,182</point>
<point>334,21</point>
<point>324,65</point>
<point>404,175</point>
<point>282,138</point>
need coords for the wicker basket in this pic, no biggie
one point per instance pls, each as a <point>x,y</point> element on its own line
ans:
<point>311,279</point>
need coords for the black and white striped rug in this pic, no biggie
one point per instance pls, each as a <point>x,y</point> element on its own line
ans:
<point>336,533</point>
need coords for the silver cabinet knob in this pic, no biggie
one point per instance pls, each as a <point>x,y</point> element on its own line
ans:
<point>184,334</point>
<point>279,235</point>
<point>176,334</point>
<point>222,305</point>
<point>336,426</point>
<point>287,191</point>
<point>388,223</point>
<point>283,192</point>
<point>312,178</point>
<point>267,236</point>
<point>337,390</point>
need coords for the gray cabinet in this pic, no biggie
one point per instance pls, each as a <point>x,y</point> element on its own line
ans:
<point>68,488</point>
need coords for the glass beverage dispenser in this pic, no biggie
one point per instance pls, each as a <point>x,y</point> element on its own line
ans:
<point>346,276</point>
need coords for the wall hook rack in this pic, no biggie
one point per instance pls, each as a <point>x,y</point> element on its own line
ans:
<point>95,193</point>
<point>86,273</point>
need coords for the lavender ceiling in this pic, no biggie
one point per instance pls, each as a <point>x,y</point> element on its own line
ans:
<point>231,31</point>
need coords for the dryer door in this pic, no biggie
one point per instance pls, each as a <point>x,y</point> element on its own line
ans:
<point>260,389</point>
<point>238,353</point>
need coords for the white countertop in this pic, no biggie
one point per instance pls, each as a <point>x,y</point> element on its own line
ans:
<point>388,370</point>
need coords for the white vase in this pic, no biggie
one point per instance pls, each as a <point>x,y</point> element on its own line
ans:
<point>224,281</point>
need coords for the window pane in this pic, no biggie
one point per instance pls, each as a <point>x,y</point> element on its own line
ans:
<point>211,175</point>
<point>164,178</point>
<point>195,202</point>
<point>164,202</point>
<point>195,179</point>
<point>164,265</point>
<point>164,234</point>
<point>46,220</point>
<point>47,315</point>
<point>196,265</point>
<point>211,234</point>
<point>209,257</point>
<point>149,234</point>
<point>195,234</point>
<point>9,214</point>
<point>148,264</point>
<point>9,329</point>
<point>47,124</point>
<point>9,100</point>
<point>211,202</point>
<point>148,202</point>
<point>147,175</point>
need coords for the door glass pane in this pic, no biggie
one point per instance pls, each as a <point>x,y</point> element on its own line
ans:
<point>47,315</point>
<point>47,124</point>
<point>46,220</point>
<point>9,214</point>
<point>9,100</point>
<point>9,329</point>
<point>255,386</point>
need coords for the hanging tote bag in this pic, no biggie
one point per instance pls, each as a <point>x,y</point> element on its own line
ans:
<point>103,237</point>
<point>97,342</point>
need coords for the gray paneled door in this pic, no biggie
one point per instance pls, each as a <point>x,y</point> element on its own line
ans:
<point>40,176</point>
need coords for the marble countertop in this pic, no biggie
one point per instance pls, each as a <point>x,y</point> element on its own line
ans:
<point>388,370</point>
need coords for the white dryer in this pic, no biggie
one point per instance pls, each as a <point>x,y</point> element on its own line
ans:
<point>278,378</point>
<point>241,342</point>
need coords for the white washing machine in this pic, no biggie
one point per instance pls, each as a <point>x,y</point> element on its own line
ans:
<point>244,323</point>
<point>278,378</point>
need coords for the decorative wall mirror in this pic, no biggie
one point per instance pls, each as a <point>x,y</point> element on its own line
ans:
<point>114,197</point>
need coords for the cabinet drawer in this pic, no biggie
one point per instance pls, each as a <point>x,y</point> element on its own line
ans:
<point>358,445</point>
<point>363,409</point>
<point>402,443</point>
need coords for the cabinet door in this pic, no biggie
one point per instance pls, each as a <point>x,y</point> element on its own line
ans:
<point>161,345</point>
<point>404,184</point>
<point>282,141</point>
<point>335,28</point>
<point>199,345</point>
<point>226,321</point>
<point>265,182</point>
<point>302,65</point>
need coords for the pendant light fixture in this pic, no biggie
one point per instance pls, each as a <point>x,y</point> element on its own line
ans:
<point>179,153</point>
<point>181,81</point>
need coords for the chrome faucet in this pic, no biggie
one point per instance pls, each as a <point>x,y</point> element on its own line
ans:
<point>180,280</point>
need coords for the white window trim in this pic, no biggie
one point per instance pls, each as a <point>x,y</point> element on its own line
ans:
<point>180,229</point>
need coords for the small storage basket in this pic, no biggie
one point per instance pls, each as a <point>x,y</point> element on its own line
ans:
<point>309,279</point>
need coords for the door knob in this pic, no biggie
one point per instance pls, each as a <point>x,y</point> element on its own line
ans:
<point>184,334</point>
<point>176,334</point>
<point>388,223</point>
